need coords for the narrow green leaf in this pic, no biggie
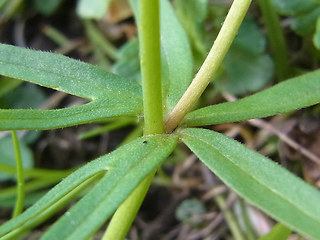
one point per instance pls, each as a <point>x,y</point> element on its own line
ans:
<point>64,74</point>
<point>122,175</point>
<point>278,232</point>
<point>98,110</point>
<point>289,95</point>
<point>113,95</point>
<point>259,180</point>
<point>176,55</point>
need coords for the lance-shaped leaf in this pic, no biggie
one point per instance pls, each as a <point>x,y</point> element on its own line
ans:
<point>97,110</point>
<point>289,95</point>
<point>259,180</point>
<point>112,95</point>
<point>64,74</point>
<point>125,168</point>
<point>176,57</point>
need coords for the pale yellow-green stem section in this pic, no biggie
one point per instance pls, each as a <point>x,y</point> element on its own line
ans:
<point>211,64</point>
<point>20,179</point>
<point>149,38</point>
<point>151,66</point>
<point>124,216</point>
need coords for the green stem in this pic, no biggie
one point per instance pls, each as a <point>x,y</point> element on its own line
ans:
<point>211,64</point>
<point>276,39</point>
<point>149,36</point>
<point>20,179</point>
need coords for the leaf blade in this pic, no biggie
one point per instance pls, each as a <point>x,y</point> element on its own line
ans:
<point>289,95</point>
<point>116,164</point>
<point>92,211</point>
<point>259,180</point>
<point>97,110</point>
<point>63,74</point>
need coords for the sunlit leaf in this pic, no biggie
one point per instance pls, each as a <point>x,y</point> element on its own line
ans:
<point>259,180</point>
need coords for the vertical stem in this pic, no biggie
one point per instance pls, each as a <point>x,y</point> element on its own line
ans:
<point>151,66</point>
<point>20,179</point>
<point>210,66</point>
<point>149,36</point>
<point>276,39</point>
